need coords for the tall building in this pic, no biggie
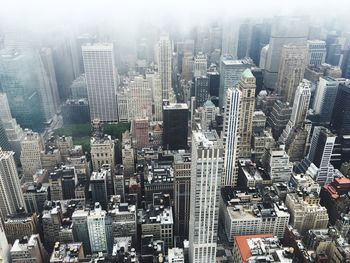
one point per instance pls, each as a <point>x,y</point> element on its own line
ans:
<point>182,190</point>
<point>284,31</point>
<point>4,247</point>
<point>230,73</point>
<point>4,142</point>
<point>155,83</point>
<point>200,65</point>
<point>291,70</point>
<point>20,81</point>
<point>246,86</point>
<point>230,135</point>
<point>164,53</point>
<point>279,117</point>
<point>97,229</point>
<point>98,184</point>
<point>175,126</point>
<point>299,110</point>
<point>230,33</point>
<point>11,193</point>
<point>101,80</point>
<point>80,228</point>
<point>259,38</point>
<point>316,52</point>
<point>28,249</point>
<point>102,152</point>
<point>31,146</point>
<point>139,98</point>
<point>139,130</point>
<point>340,121</point>
<point>201,90</point>
<point>276,162</point>
<point>207,168</point>
<point>122,103</point>
<point>324,100</point>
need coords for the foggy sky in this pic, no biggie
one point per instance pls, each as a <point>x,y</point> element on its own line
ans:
<point>44,14</point>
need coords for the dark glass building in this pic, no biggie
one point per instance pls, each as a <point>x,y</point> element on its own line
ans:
<point>175,126</point>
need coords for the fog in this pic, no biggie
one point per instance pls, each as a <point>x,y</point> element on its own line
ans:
<point>47,15</point>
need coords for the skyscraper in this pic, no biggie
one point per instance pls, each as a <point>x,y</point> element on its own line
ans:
<point>11,196</point>
<point>139,98</point>
<point>247,87</point>
<point>201,90</point>
<point>175,126</point>
<point>285,30</point>
<point>207,168</point>
<point>101,80</point>
<point>97,229</point>
<point>291,70</point>
<point>340,121</point>
<point>20,81</point>
<point>230,34</point>
<point>230,73</point>
<point>230,135</point>
<point>316,52</point>
<point>326,93</point>
<point>200,65</point>
<point>164,53</point>
<point>299,110</point>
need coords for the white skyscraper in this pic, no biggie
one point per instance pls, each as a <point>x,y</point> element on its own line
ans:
<point>207,168</point>
<point>164,55</point>
<point>230,135</point>
<point>300,108</point>
<point>11,196</point>
<point>230,33</point>
<point>200,65</point>
<point>155,84</point>
<point>97,229</point>
<point>101,83</point>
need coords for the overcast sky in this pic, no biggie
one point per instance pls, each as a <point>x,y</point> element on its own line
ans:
<point>44,13</point>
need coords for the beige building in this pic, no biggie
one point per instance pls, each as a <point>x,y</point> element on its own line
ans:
<point>31,146</point>
<point>291,70</point>
<point>306,212</point>
<point>246,86</point>
<point>102,152</point>
<point>28,250</point>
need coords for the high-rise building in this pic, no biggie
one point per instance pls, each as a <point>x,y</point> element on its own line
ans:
<point>98,184</point>
<point>316,52</point>
<point>97,229</point>
<point>214,82</point>
<point>122,103</point>
<point>31,146</point>
<point>139,130</point>
<point>276,162</point>
<point>155,83</point>
<point>299,110</point>
<point>246,86</point>
<point>11,193</point>
<point>102,152</point>
<point>4,142</point>
<point>279,117</point>
<point>230,135</point>
<point>230,33</point>
<point>244,39</point>
<point>164,55</point>
<point>139,98</point>
<point>201,90</point>
<point>259,38</point>
<point>326,93</point>
<point>207,168</point>
<point>291,70</point>
<point>4,247</point>
<point>200,65</point>
<point>80,228</point>
<point>101,80</point>
<point>285,31</point>
<point>175,126</point>
<point>334,49</point>
<point>182,190</point>
<point>28,249</point>
<point>207,114</point>
<point>230,73</point>
<point>20,80</point>
<point>340,121</point>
